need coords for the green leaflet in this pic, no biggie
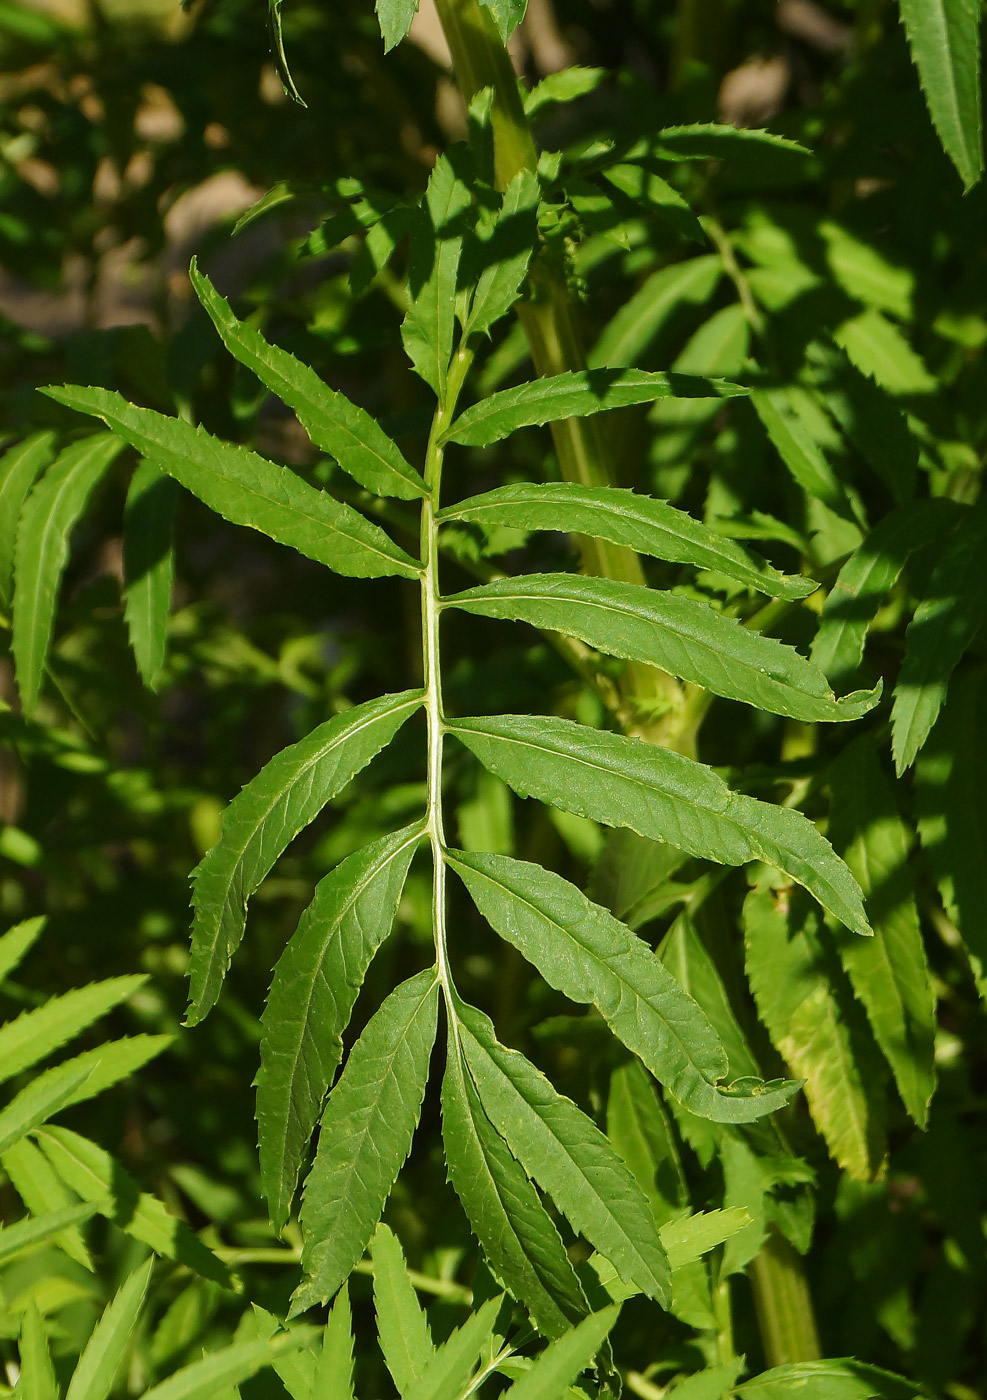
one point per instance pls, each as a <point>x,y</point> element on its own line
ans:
<point>365,1136</point>
<point>108,1063</point>
<point>889,972</point>
<point>39,1188</point>
<point>641,523</point>
<point>584,952</point>
<point>277,49</point>
<point>951,804</point>
<point>648,191</point>
<point>98,1365</point>
<point>316,983</point>
<point>394,18</point>
<point>688,1239</point>
<point>567,1155</point>
<point>247,489</point>
<point>35,1034</point>
<point>576,394</point>
<point>505,255</point>
<point>806,1005</point>
<point>944,37</point>
<point>149,566</point>
<point>731,143</point>
<point>37,1374</point>
<point>334,424</point>
<point>632,329</point>
<point>205,1379</point>
<point>17,942</point>
<point>714,1383</point>
<point>944,625</point>
<point>879,349</point>
<point>405,1338</point>
<point>519,1240</point>
<point>333,1379</point>
<point>40,1100</point>
<point>562,1361</point>
<point>839,1379</point>
<point>42,548</point>
<point>659,794</point>
<point>563,87</point>
<point>19,467</point>
<point>870,572</point>
<point>507,15</point>
<point>449,1369</point>
<point>95,1176</point>
<point>436,244</point>
<point>675,634</point>
<point>778,410</point>
<point>36,1229</point>
<point>259,823</point>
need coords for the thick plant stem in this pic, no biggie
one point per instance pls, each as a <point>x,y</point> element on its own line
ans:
<point>480,60</point>
<point>652,699</point>
<point>785,1317</point>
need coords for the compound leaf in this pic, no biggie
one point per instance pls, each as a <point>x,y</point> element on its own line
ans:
<point>36,1229</point>
<point>645,525</point>
<point>316,983</point>
<point>246,489</point>
<point>583,951</point>
<point>269,812</point>
<point>365,1136</point>
<point>675,634</point>
<point>567,1155</point>
<point>661,795</point>
<point>334,424</point>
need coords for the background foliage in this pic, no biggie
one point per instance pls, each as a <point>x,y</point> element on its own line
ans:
<point>844,284</point>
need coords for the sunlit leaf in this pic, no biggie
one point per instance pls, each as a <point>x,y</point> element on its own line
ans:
<point>33,1035</point>
<point>337,426</point>
<point>584,952</point>
<point>19,467</point>
<point>562,1360</point>
<point>639,522</point>
<point>810,1014</point>
<point>679,635</point>
<point>519,1240</point>
<point>42,548</point>
<point>316,983</point>
<point>365,1136</point>
<point>97,1367</point>
<point>436,244</point>
<point>576,394</point>
<point>944,37</point>
<point>659,794</point>
<point>270,811</point>
<point>628,334</point>
<point>405,1338</point>
<point>247,489</point>
<point>567,1155</point>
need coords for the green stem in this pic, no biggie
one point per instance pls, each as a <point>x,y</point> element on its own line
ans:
<point>431,665</point>
<point>785,1316</point>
